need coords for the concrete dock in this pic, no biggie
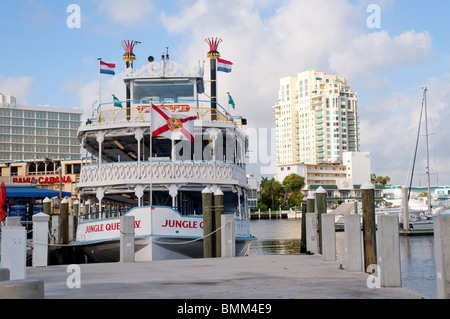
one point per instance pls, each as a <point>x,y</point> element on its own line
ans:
<point>260,277</point>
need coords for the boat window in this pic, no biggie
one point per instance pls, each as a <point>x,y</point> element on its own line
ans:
<point>163,90</point>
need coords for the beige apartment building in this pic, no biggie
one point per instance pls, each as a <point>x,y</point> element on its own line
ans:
<point>316,119</point>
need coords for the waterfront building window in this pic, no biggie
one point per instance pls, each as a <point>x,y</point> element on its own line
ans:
<point>41,123</point>
<point>29,114</point>
<point>17,130</point>
<point>5,112</point>
<point>28,131</point>
<point>29,122</point>
<point>41,115</point>
<point>17,113</point>
<point>16,139</point>
<point>5,121</point>
<point>17,122</point>
<point>63,125</point>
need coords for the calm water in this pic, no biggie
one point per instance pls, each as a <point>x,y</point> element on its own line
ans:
<point>282,237</point>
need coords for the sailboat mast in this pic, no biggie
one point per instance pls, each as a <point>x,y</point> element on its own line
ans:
<point>428,153</point>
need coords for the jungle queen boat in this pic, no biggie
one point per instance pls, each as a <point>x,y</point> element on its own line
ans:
<point>153,156</point>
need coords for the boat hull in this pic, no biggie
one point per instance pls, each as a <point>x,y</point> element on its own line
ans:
<point>159,248</point>
<point>160,233</point>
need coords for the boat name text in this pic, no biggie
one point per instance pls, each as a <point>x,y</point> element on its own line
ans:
<point>108,227</point>
<point>182,224</point>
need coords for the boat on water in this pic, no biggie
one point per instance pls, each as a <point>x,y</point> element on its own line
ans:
<point>153,155</point>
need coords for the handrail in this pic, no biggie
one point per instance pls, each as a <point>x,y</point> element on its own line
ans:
<point>221,116</point>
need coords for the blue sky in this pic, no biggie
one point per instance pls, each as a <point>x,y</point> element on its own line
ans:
<point>43,62</point>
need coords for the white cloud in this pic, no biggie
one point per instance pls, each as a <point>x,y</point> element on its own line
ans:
<point>128,13</point>
<point>89,93</point>
<point>327,35</point>
<point>376,51</point>
<point>18,87</point>
<point>389,130</point>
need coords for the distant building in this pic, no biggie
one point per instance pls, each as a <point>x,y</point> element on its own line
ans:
<point>37,132</point>
<point>342,181</point>
<point>316,119</point>
<point>354,170</point>
<point>254,191</point>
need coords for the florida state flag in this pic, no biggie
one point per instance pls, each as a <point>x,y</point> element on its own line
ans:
<point>172,125</point>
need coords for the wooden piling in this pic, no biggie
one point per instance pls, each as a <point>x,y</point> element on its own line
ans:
<point>75,214</point>
<point>369,227</point>
<point>47,203</point>
<point>303,249</point>
<point>310,202</point>
<point>218,210</point>
<point>64,215</point>
<point>208,243</point>
<point>321,203</point>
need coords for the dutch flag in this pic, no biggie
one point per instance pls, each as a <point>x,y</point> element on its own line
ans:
<point>224,65</point>
<point>107,68</point>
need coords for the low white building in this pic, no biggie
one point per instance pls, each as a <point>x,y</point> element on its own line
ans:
<point>254,185</point>
<point>354,170</point>
<point>342,180</point>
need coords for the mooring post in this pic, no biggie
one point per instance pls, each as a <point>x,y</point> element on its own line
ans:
<point>56,228</point>
<point>442,254</point>
<point>64,215</point>
<point>311,225</point>
<point>47,205</point>
<point>328,237</point>
<point>40,240</point>
<point>353,243</point>
<point>389,251</point>
<point>208,243</point>
<point>228,235</point>
<point>13,251</point>
<point>321,203</point>
<point>303,249</point>
<point>75,214</point>
<point>218,211</point>
<point>127,239</point>
<point>369,227</point>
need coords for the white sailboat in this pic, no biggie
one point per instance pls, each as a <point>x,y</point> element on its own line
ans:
<point>417,215</point>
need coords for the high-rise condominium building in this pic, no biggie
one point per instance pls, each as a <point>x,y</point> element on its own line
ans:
<point>37,132</point>
<point>316,119</point>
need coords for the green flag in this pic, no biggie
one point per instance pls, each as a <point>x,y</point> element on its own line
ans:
<point>230,101</point>
<point>117,103</point>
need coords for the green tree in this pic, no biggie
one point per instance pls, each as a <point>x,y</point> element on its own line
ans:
<point>271,192</point>
<point>380,180</point>
<point>293,195</point>
<point>293,183</point>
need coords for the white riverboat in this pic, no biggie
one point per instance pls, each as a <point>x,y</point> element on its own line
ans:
<point>152,156</point>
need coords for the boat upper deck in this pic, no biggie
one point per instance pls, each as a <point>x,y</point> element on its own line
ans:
<point>140,112</point>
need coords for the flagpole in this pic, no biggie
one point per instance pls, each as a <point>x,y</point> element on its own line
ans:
<point>151,157</point>
<point>99,83</point>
